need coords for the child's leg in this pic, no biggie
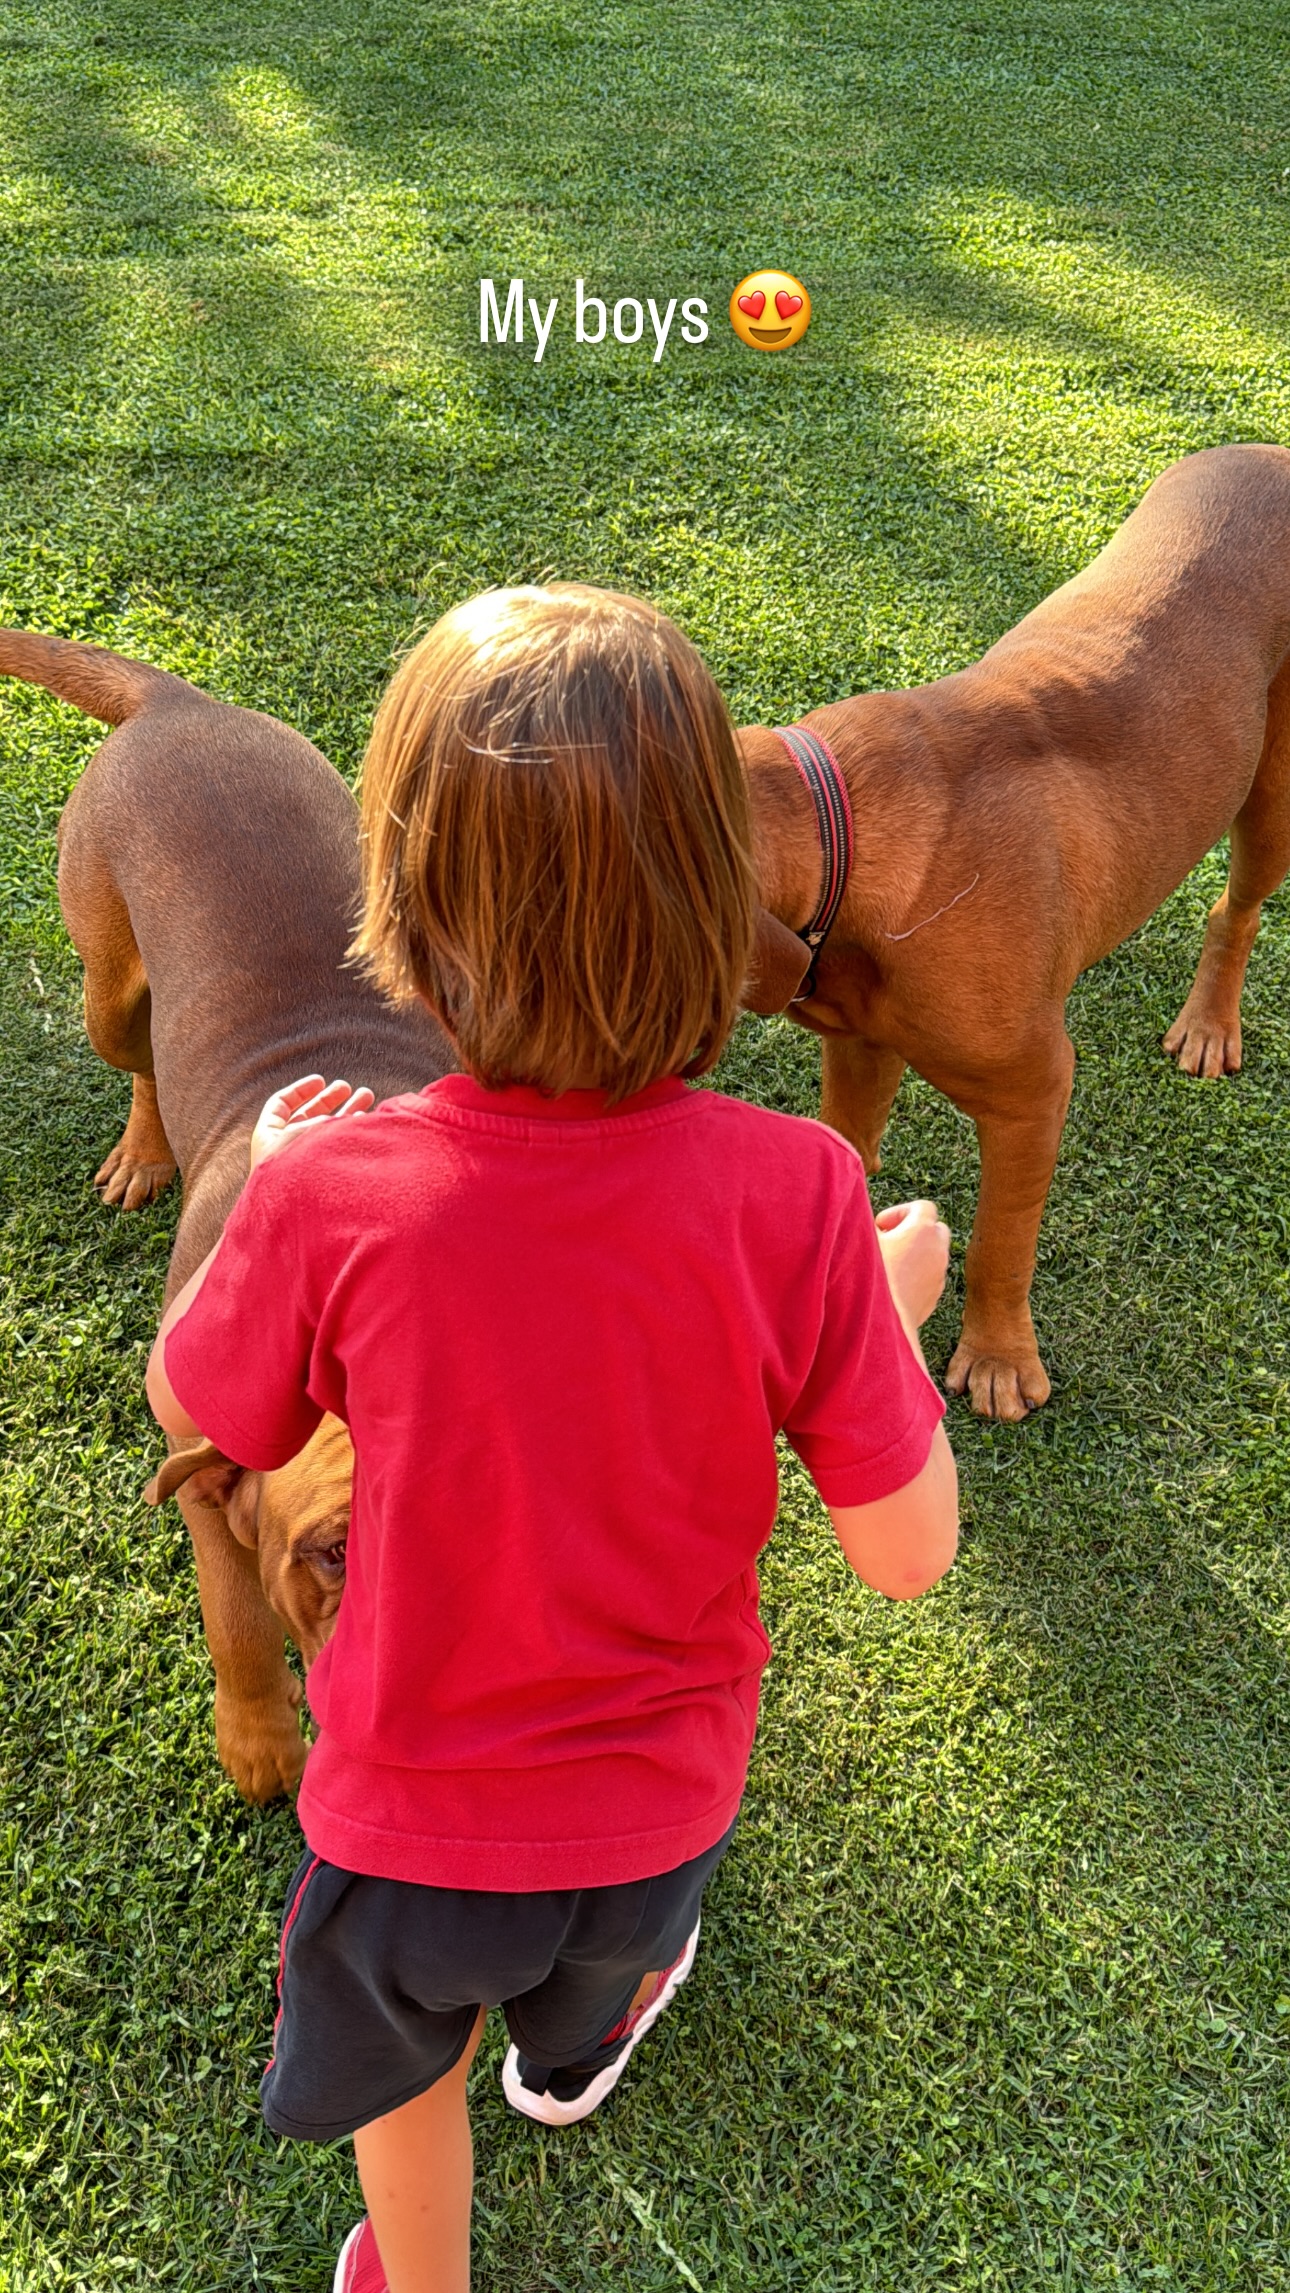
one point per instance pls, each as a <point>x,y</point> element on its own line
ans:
<point>417,2168</point>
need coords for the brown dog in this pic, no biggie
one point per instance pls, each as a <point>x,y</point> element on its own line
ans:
<point>208,876</point>
<point>1014,823</point>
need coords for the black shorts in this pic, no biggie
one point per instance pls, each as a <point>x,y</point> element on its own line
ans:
<point>380,1981</point>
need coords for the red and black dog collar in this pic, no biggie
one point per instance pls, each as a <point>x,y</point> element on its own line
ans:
<point>823,776</point>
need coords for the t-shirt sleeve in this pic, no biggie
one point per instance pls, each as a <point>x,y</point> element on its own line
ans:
<point>240,1359</point>
<point>863,1421</point>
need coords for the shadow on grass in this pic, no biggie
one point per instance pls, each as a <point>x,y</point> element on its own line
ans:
<point>277,122</point>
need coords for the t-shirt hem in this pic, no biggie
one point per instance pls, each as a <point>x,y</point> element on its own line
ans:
<point>507,1866</point>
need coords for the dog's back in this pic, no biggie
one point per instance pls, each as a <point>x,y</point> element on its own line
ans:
<point>231,845</point>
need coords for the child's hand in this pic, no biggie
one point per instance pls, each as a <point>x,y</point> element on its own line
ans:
<point>915,1246</point>
<point>302,1107</point>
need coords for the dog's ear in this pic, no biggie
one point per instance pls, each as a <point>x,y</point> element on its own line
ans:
<point>211,1477</point>
<point>780,962</point>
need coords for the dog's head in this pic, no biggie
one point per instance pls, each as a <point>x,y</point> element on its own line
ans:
<point>296,1521</point>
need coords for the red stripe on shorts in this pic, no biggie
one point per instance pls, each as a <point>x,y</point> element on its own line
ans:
<point>287,1925</point>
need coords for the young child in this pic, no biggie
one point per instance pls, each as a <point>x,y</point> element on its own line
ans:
<point>564,1305</point>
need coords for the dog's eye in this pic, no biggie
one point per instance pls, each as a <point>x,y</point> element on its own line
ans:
<point>327,1561</point>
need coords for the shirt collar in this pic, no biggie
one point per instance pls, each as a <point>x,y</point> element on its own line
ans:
<point>562,1107</point>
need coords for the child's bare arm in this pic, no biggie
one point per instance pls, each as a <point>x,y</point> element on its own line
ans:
<point>915,1246</point>
<point>903,1543</point>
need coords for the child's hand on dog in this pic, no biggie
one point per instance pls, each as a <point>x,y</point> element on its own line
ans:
<point>915,1246</point>
<point>301,1108</point>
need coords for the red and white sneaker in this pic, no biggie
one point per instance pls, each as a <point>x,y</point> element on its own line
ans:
<point>561,2097</point>
<point>359,2268</point>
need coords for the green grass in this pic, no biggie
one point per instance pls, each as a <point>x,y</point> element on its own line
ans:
<point>995,1989</point>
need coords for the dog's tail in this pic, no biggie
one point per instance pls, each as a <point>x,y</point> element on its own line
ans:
<point>105,685</point>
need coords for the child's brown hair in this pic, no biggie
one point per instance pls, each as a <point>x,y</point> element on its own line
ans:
<point>556,841</point>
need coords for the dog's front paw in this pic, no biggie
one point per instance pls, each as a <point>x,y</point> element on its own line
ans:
<point>259,1742</point>
<point>998,1383</point>
<point>1203,1043</point>
<point>129,1181</point>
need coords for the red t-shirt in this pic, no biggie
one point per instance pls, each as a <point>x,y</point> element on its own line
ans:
<point>563,1340</point>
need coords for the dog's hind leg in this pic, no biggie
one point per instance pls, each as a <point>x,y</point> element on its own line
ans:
<point>118,1009</point>
<point>141,1164</point>
<point>859,1081</point>
<point>1206,1036</point>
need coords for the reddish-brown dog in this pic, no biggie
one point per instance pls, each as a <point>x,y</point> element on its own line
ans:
<point>208,876</point>
<point>1014,823</point>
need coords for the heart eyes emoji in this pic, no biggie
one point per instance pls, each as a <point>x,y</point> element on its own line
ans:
<point>775,328</point>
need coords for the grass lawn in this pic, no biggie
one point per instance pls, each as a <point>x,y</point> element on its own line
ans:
<point>994,1992</point>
